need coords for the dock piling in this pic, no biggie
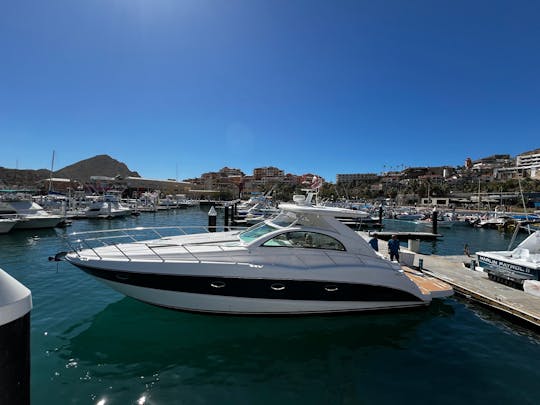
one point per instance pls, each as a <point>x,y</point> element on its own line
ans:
<point>434,215</point>
<point>212,219</point>
<point>226,215</point>
<point>15,306</point>
<point>414,245</point>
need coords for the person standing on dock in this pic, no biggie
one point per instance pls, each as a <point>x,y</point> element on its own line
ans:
<point>374,242</point>
<point>393,248</point>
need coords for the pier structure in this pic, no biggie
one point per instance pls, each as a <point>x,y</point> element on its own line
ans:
<point>458,271</point>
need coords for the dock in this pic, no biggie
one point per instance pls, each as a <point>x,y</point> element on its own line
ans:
<point>475,285</point>
<point>405,236</point>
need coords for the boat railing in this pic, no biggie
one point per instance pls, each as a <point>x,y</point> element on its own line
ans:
<point>146,236</point>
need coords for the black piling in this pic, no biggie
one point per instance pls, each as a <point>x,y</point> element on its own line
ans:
<point>212,219</point>
<point>434,216</point>
<point>226,216</point>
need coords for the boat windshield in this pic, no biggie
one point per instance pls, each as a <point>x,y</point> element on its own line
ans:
<point>282,220</point>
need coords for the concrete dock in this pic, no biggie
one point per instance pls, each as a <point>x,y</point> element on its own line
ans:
<point>475,285</point>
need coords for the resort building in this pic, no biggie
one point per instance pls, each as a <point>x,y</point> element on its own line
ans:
<point>529,159</point>
<point>527,165</point>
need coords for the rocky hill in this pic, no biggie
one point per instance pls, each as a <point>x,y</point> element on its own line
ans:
<point>101,165</point>
<point>21,178</point>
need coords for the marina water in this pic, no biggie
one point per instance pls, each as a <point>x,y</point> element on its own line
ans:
<point>91,345</point>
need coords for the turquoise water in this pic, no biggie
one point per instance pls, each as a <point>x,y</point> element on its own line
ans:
<point>92,345</point>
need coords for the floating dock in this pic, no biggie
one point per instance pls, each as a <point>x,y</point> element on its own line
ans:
<point>475,285</point>
<point>404,236</point>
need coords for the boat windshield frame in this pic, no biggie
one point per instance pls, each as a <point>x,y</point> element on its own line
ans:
<point>280,221</point>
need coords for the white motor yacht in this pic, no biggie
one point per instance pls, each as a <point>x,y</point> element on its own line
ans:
<point>107,207</point>
<point>27,214</point>
<point>302,261</point>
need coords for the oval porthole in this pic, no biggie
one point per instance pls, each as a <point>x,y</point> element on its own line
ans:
<point>331,288</point>
<point>277,287</point>
<point>217,284</point>
<point>122,277</point>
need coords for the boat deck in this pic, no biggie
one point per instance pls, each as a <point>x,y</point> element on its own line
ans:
<point>428,285</point>
<point>476,286</point>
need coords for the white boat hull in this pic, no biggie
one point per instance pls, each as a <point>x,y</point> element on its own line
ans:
<point>38,222</point>
<point>6,225</point>
<point>106,214</point>
<point>250,306</point>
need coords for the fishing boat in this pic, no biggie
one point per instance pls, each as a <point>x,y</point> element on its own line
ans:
<point>515,266</point>
<point>302,261</point>
<point>108,206</point>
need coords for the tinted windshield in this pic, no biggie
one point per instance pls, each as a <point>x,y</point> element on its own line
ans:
<point>256,231</point>
<point>281,220</point>
<point>284,219</point>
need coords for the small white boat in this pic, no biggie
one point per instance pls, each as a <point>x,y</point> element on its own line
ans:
<point>494,221</point>
<point>514,266</point>
<point>107,207</point>
<point>440,223</point>
<point>302,261</point>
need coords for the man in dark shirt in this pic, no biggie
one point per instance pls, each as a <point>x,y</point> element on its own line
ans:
<point>393,248</point>
<point>374,242</point>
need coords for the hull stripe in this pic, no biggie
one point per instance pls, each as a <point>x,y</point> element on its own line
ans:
<point>256,287</point>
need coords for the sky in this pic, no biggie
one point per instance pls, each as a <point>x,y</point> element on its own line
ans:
<point>177,88</point>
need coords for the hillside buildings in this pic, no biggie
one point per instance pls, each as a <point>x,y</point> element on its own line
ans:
<point>411,184</point>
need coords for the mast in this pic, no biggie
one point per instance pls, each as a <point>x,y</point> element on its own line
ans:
<point>479,198</point>
<point>50,177</point>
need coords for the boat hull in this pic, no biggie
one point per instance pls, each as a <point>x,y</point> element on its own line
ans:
<point>106,214</point>
<point>504,266</point>
<point>218,304</point>
<point>6,225</point>
<point>237,295</point>
<point>40,222</point>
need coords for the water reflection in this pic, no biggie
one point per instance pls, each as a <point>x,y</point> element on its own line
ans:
<point>498,320</point>
<point>137,338</point>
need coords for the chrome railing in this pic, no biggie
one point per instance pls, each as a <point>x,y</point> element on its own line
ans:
<point>143,236</point>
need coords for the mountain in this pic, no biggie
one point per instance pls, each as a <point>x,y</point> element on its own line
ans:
<point>100,165</point>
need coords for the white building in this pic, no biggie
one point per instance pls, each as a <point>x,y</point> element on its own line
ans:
<point>531,158</point>
<point>527,163</point>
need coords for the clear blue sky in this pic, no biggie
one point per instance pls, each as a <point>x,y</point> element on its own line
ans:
<point>190,86</point>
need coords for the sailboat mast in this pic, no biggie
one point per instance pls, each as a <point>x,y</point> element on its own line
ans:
<point>50,177</point>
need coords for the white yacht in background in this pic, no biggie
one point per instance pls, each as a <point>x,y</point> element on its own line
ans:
<point>29,215</point>
<point>107,206</point>
<point>302,261</point>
